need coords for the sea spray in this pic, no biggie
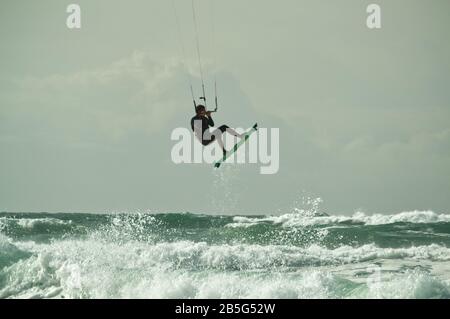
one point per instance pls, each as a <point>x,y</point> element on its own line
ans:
<point>299,254</point>
<point>224,191</point>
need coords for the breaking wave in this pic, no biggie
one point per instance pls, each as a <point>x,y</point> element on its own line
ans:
<point>406,255</point>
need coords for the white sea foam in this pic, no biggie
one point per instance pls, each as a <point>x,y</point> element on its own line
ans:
<point>300,219</point>
<point>99,269</point>
<point>32,222</point>
<point>9,253</point>
<point>119,261</point>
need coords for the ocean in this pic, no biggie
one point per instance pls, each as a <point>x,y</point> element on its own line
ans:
<point>300,254</point>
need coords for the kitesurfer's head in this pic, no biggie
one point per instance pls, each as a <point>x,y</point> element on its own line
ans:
<point>200,109</point>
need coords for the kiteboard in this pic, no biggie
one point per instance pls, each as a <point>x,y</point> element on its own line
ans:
<point>236,147</point>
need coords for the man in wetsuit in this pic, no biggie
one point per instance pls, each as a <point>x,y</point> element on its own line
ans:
<point>201,123</point>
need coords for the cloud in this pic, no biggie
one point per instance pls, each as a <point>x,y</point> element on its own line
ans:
<point>134,94</point>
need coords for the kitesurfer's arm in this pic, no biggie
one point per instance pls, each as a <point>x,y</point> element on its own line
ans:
<point>210,120</point>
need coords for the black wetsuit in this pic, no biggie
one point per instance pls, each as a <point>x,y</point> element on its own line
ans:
<point>206,123</point>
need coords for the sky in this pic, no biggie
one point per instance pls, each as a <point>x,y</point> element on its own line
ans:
<point>86,115</point>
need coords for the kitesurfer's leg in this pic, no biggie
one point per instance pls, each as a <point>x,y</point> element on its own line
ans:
<point>229,130</point>
<point>233,132</point>
<point>219,140</point>
<point>216,135</point>
<point>208,138</point>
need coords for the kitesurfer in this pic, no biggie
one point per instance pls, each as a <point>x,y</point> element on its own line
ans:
<point>201,123</point>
